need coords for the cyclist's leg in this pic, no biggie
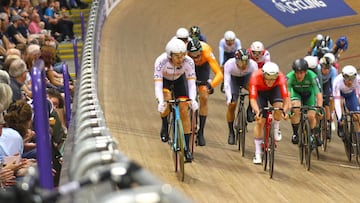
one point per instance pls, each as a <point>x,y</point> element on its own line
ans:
<point>259,127</point>
<point>235,83</point>
<point>326,104</point>
<point>276,101</point>
<point>295,117</point>
<point>185,118</point>
<point>164,134</point>
<point>311,101</point>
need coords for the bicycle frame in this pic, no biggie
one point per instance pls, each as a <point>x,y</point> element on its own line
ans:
<point>351,140</point>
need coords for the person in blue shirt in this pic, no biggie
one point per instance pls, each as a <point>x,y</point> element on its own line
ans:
<point>340,46</point>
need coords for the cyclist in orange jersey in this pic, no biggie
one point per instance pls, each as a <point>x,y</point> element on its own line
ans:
<point>204,60</point>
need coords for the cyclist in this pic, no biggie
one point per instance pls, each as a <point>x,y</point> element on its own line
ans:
<point>305,89</point>
<point>237,72</point>
<point>204,60</point>
<point>328,74</point>
<point>174,69</point>
<point>315,42</point>
<point>347,86</point>
<point>320,49</point>
<point>340,46</point>
<point>227,47</point>
<point>195,33</point>
<point>259,54</point>
<point>182,34</point>
<point>267,85</point>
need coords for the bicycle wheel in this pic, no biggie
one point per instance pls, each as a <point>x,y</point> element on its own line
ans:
<point>181,152</point>
<point>265,148</point>
<point>323,126</point>
<point>353,141</point>
<point>172,141</point>
<point>242,130</point>
<point>237,122</point>
<point>307,143</point>
<point>301,143</point>
<point>271,150</point>
<point>357,154</point>
<point>347,140</point>
<point>193,129</point>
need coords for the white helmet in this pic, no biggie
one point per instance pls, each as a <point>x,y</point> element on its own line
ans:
<point>312,61</point>
<point>331,57</point>
<point>349,71</point>
<point>182,33</point>
<point>175,46</point>
<point>270,68</point>
<point>257,46</point>
<point>319,37</point>
<point>229,35</point>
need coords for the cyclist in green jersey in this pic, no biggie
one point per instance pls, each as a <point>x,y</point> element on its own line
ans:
<point>305,89</point>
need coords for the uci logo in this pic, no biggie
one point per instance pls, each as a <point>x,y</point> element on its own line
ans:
<point>293,6</point>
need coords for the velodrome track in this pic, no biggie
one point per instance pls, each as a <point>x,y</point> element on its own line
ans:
<point>136,32</point>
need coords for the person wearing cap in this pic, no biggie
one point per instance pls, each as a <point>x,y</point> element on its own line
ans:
<point>4,23</point>
<point>13,31</point>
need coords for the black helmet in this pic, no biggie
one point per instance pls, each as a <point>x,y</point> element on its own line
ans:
<point>300,65</point>
<point>242,54</point>
<point>194,32</point>
<point>194,45</point>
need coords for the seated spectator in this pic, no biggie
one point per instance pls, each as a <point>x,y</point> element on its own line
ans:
<point>13,31</point>
<point>36,25</point>
<point>17,72</point>
<point>4,23</point>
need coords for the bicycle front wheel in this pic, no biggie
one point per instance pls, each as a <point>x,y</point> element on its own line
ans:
<point>301,144</point>
<point>307,144</point>
<point>181,151</point>
<point>242,130</point>
<point>323,126</point>
<point>271,150</point>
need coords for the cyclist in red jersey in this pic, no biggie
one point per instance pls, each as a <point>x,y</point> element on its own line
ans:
<point>267,85</point>
<point>259,54</point>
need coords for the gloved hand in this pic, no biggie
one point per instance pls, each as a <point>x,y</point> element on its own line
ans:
<point>210,88</point>
<point>194,105</point>
<point>161,107</point>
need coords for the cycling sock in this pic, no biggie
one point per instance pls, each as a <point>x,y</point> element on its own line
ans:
<point>276,124</point>
<point>295,128</point>
<point>230,125</point>
<point>258,143</point>
<point>202,123</point>
<point>187,140</point>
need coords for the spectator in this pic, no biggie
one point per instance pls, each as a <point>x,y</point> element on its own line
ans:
<point>13,31</point>
<point>17,72</point>
<point>4,23</point>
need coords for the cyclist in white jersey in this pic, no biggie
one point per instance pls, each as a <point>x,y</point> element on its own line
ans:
<point>347,86</point>
<point>175,71</point>
<point>227,47</point>
<point>237,72</point>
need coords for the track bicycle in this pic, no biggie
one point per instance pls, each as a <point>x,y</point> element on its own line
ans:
<point>324,128</point>
<point>240,122</point>
<point>176,133</point>
<point>268,157</point>
<point>350,139</point>
<point>307,141</point>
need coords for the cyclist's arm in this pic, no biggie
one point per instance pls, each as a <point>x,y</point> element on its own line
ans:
<point>221,52</point>
<point>337,98</point>
<point>158,78</point>
<point>227,79</point>
<point>218,76</point>
<point>191,78</point>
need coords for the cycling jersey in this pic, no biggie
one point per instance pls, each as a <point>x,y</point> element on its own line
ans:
<point>165,69</point>
<point>350,94</point>
<point>257,84</point>
<point>206,61</point>
<point>304,90</point>
<point>226,51</point>
<point>231,69</point>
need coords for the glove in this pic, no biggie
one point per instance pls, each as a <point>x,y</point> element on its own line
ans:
<point>194,105</point>
<point>161,107</point>
<point>210,88</point>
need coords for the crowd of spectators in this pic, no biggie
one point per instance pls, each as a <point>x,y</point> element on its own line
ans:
<point>30,31</point>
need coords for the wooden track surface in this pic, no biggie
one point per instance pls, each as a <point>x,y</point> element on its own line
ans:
<point>136,33</point>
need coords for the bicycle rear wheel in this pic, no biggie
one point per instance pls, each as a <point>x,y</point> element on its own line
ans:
<point>242,130</point>
<point>181,151</point>
<point>271,150</point>
<point>193,129</point>
<point>307,144</point>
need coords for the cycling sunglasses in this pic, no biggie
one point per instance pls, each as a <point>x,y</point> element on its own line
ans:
<point>270,77</point>
<point>349,78</point>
